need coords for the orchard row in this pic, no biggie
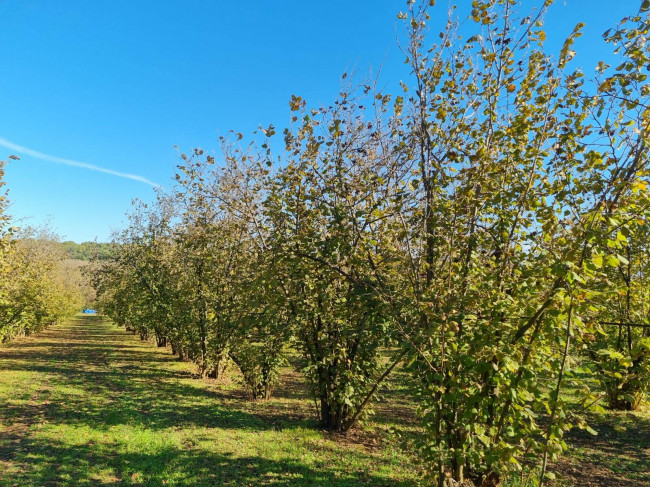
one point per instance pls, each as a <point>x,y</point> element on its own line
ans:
<point>486,229</point>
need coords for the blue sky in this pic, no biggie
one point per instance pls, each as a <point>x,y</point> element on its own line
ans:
<point>118,84</point>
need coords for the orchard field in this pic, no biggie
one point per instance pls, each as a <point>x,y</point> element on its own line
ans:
<point>448,285</point>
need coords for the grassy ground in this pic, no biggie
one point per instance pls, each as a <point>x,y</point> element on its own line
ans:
<point>86,403</point>
<point>618,456</point>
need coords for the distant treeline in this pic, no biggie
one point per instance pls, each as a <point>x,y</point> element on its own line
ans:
<point>88,250</point>
<point>39,285</point>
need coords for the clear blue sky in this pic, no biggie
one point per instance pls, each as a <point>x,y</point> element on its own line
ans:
<point>117,84</point>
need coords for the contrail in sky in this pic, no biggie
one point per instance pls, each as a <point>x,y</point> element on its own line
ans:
<point>69,162</point>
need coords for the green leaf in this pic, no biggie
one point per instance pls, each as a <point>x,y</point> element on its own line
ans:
<point>597,260</point>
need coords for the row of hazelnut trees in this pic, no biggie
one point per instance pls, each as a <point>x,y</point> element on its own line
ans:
<point>486,229</point>
<point>38,288</point>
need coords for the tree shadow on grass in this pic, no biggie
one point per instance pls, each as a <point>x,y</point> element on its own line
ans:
<point>618,455</point>
<point>128,384</point>
<point>94,379</point>
<point>150,397</point>
<point>53,463</point>
<point>123,384</point>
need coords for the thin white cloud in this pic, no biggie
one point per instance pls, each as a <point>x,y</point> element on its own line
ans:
<point>69,162</point>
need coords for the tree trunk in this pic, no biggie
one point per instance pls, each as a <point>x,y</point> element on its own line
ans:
<point>221,364</point>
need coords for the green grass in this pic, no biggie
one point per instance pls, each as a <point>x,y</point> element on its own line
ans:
<point>86,403</point>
